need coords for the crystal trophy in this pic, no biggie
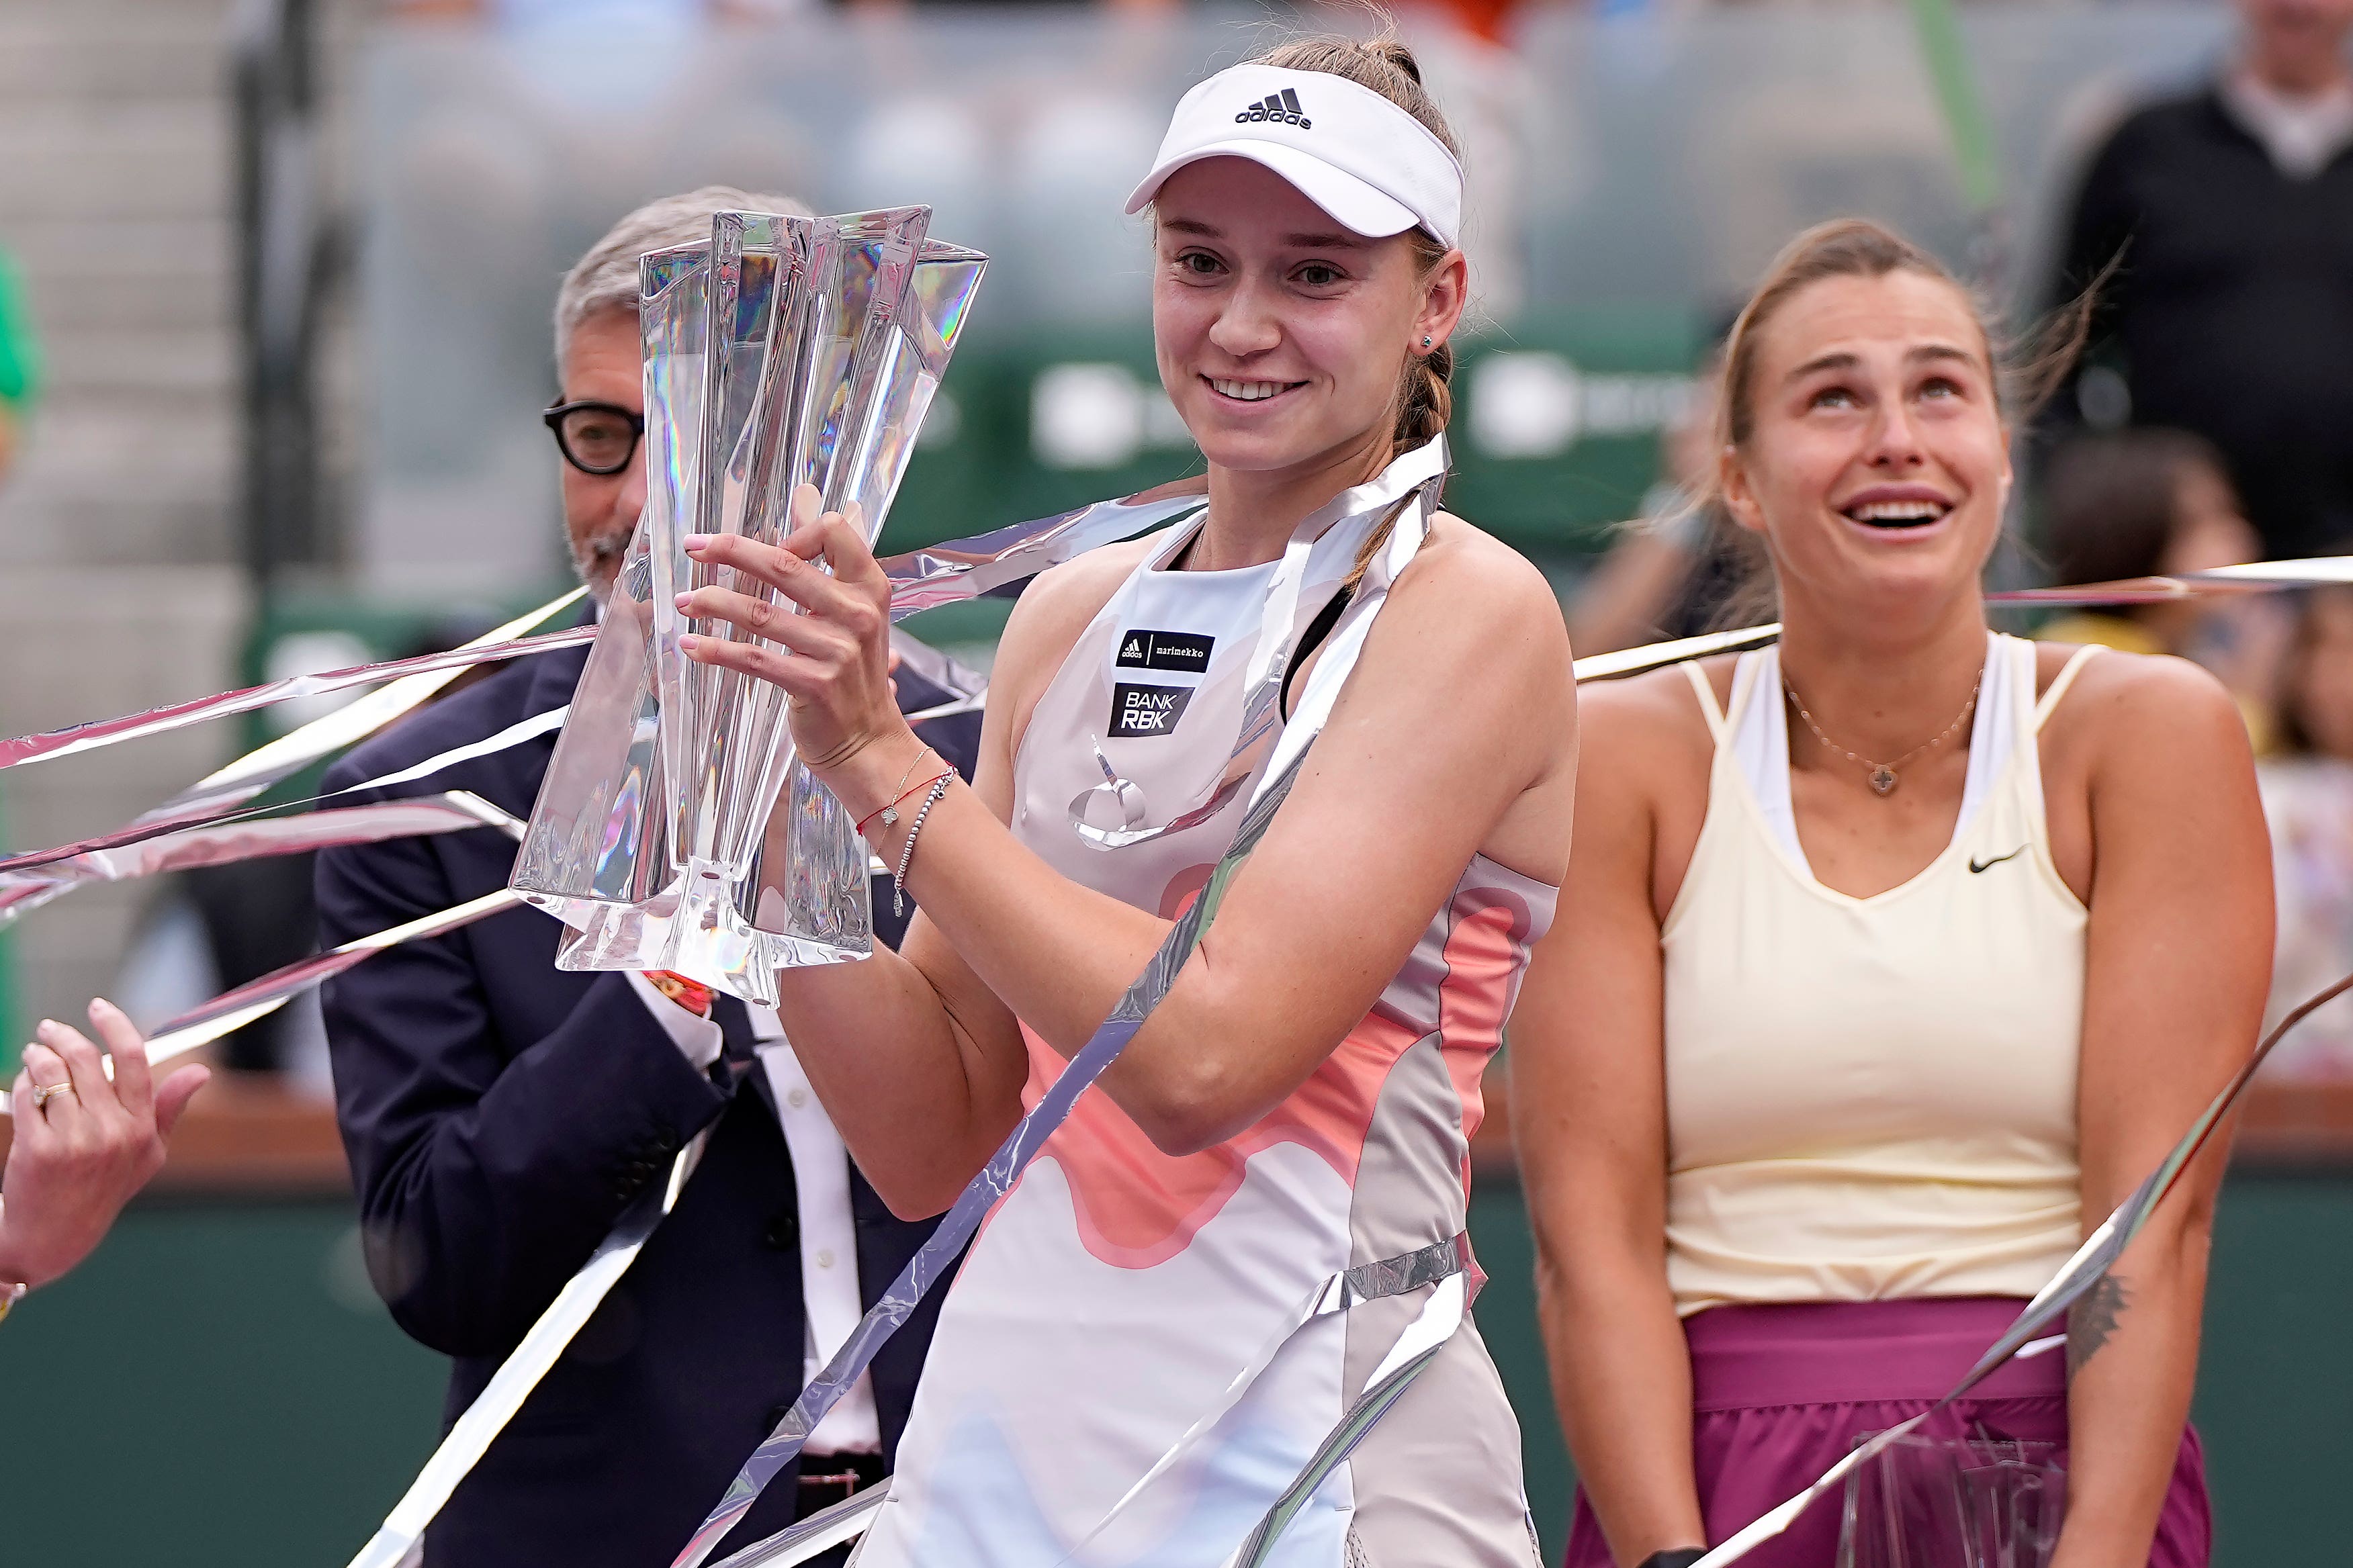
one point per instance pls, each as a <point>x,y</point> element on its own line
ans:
<point>676,830</point>
<point>1952,1502</point>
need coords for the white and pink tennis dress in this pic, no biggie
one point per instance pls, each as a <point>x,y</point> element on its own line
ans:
<point>1115,1295</point>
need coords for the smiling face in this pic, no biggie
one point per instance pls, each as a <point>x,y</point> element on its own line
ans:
<point>1874,463</point>
<point>1281,338</point>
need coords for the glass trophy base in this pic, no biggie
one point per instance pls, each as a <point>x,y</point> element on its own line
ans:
<point>697,933</point>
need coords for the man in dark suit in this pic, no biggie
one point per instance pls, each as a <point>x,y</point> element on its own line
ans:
<point>500,1113</point>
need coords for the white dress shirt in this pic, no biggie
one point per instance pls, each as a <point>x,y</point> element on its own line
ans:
<point>828,1230</point>
<point>2302,134</point>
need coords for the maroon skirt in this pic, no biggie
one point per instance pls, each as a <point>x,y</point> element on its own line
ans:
<point>1780,1393</point>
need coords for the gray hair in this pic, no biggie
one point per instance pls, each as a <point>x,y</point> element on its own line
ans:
<point>607,277</point>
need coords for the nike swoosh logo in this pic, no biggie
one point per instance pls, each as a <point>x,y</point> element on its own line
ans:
<point>1977,865</point>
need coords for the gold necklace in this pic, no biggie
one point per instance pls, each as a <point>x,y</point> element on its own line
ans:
<point>1883,774</point>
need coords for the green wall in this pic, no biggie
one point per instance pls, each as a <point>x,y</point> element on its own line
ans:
<point>218,1389</point>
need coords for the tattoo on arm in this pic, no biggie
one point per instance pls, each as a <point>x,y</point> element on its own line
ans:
<point>2092,1321</point>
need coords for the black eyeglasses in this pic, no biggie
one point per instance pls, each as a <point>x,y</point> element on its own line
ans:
<point>595,438</point>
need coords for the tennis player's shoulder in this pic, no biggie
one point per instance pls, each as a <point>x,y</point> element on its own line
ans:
<point>1467,584</point>
<point>2138,708</point>
<point>1647,729</point>
<point>1458,555</point>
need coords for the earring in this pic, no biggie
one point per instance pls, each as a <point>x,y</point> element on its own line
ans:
<point>1425,340</point>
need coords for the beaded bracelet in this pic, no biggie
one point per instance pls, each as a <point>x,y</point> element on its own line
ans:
<point>907,851</point>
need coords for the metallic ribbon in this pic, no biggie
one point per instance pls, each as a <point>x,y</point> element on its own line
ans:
<point>136,834</point>
<point>1414,1351</point>
<point>103,732</point>
<point>967,691</point>
<point>221,791</point>
<point>2089,1263</point>
<point>259,998</point>
<point>950,573</point>
<point>967,687</point>
<point>968,568</point>
<point>225,842</point>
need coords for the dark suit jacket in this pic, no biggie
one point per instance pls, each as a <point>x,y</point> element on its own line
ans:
<point>2231,311</point>
<point>500,1113</point>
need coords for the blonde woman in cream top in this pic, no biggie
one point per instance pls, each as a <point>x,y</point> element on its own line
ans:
<point>1889,959</point>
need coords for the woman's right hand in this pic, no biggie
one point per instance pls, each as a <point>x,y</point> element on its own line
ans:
<point>833,662</point>
<point>77,1158</point>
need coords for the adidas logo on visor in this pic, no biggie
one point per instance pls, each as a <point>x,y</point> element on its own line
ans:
<point>1280,106</point>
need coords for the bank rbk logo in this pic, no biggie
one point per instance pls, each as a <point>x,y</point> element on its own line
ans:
<point>1137,710</point>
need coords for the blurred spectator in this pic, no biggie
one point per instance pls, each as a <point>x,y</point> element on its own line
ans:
<point>2231,211</point>
<point>2308,800</point>
<point>2144,503</point>
<point>1678,566</point>
<point>20,363</point>
<point>20,366</point>
<point>1489,21</point>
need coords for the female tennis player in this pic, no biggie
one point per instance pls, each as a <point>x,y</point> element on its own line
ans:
<point>1892,959</point>
<point>1133,1366</point>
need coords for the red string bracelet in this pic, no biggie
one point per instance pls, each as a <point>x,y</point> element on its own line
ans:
<point>890,814</point>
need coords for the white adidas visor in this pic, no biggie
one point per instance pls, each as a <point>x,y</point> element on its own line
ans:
<point>1376,169</point>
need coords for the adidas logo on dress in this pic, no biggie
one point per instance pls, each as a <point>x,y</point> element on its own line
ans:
<point>1282,106</point>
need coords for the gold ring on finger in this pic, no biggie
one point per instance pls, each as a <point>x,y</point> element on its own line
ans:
<point>45,1092</point>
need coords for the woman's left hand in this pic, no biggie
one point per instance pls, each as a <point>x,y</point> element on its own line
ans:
<point>834,661</point>
<point>77,1158</point>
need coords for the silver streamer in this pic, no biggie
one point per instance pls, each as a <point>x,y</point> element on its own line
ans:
<point>233,1010</point>
<point>513,735</point>
<point>225,843</point>
<point>970,568</point>
<point>103,732</point>
<point>222,792</point>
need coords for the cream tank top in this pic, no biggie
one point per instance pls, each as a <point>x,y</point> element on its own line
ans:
<point>1872,1098</point>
